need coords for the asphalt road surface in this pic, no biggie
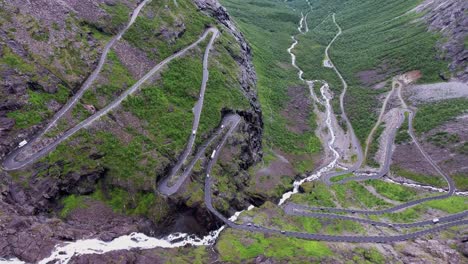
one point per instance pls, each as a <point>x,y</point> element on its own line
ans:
<point>166,187</point>
<point>230,123</point>
<point>444,222</point>
<point>11,162</point>
<point>452,220</point>
<point>292,210</point>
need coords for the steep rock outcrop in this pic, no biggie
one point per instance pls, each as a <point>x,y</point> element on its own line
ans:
<point>449,18</point>
<point>248,76</point>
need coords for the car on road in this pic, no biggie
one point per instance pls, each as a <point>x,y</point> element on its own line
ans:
<point>435,220</point>
<point>208,175</point>
<point>213,154</point>
<point>249,224</point>
<point>194,132</point>
<point>282,231</point>
<point>22,143</point>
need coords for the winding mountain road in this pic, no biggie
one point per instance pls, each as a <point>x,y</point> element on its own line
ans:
<point>166,187</point>
<point>445,222</point>
<point>294,209</point>
<point>227,127</point>
<point>385,168</point>
<point>379,120</point>
<point>11,162</point>
<point>354,139</point>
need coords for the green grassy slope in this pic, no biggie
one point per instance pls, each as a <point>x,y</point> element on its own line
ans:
<point>269,35</point>
<point>376,36</point>
<point>133,146</point>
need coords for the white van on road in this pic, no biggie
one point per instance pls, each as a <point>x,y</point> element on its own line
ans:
<point>22,143</point>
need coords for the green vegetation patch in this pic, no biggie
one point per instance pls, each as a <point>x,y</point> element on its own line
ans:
<point>14,61</point>
<point>433,180</point>
<point>195,255</point>
<point>165,107</point>
<point>374,147</point>
<point>120,201</point>
<point>223,89</point>
<point>432,115</point>
<point>36,110</point>
<point>355,195</point>
<point>119,14</point>
<point>117,79</point>
<point>442,139</point>
<point>164,28</point>
<point>402,135</point>
<point>463,148</point>
<point>408,215</point>
<point>315,194</point>
<point>368,255</point>
<point>461,181</point>
<point>339,227</point>
<point>393,191</point>
<point>71,203</point>
<point>341,177</point>
<point>236,246</point>
<point>357,104</point>
<point>451,205</point>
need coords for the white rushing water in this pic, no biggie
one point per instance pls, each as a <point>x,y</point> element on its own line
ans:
<point>425,187</point>
<point>63,253</point>
<point>301,23</point>
<point>331,142</point>
<point>329,111</point>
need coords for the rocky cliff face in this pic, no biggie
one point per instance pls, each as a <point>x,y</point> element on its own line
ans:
<point>449,18</point>
<point>247,75</point>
